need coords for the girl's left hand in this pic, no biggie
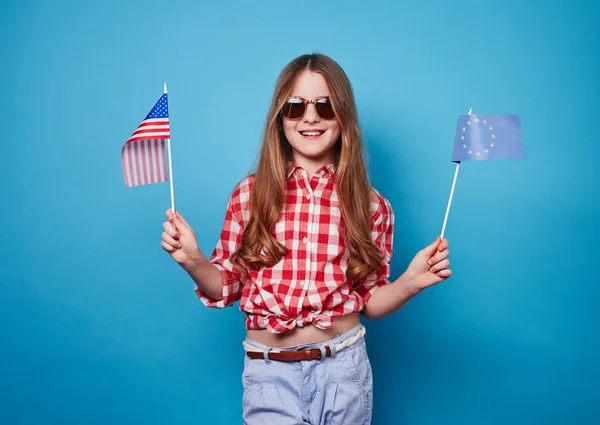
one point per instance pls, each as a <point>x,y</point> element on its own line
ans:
<point>430,265</point>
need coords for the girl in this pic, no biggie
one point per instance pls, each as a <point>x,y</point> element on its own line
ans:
<point>306,247</point>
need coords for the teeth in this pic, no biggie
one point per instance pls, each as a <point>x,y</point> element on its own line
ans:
<point>311,133</point>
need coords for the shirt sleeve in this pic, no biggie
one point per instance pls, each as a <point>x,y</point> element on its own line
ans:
<point>382,233</point>
<point>228,243</point>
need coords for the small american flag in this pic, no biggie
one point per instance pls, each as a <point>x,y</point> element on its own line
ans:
<point>143,156</point>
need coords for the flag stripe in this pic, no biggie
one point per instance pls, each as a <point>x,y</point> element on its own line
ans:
<point>129,166</point>
<point>125,166</point>
<point>151,121</point>
<point>165,161</point>
<point>157,124</point>
<point>152,161</point>
<point>143,161</point>
<point>161,160</point>
<point>142,129</point>
<point>133,164</point>
<point>147,161</point>
<point>140,161</point>
<point>150,135</point>
<point>153,129</point>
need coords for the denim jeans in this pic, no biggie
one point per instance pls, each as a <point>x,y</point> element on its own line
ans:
<point>333,390</point>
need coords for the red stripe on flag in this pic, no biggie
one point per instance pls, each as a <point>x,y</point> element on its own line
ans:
<point>137,150</point>
<point>150,131</point>
<point>155,135</point>
<point>165,161</point>
<point>160,153</point>
<point>145,161</point>
<point>152,157</point>
<point>132,164</point>
<point>156,122</point>
<point>124,165</point>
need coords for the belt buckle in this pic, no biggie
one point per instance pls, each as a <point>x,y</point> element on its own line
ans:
<point>312,354</point>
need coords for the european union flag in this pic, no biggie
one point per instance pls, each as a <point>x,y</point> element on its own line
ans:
<point>484,137</point>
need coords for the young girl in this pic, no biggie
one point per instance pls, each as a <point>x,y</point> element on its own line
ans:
<point>306,247</point>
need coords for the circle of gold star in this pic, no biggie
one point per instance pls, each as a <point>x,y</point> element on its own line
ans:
<point>489,127</point>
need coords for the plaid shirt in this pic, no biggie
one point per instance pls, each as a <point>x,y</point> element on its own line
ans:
<point>309,284</point>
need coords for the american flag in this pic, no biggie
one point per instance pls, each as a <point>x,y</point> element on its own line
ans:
<point>143,156</point>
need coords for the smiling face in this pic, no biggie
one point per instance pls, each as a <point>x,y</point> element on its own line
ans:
<point>311,137</point>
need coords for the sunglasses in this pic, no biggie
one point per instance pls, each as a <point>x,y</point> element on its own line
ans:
<point>295,107</point>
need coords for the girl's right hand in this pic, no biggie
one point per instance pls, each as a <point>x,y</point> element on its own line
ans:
<point>179,240</point>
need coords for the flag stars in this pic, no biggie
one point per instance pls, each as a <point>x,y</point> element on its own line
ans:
<point>493,136</point>
<point>491,128</point>
<point>478,153</point>
<point>492,144</point>
<point>464,129</point>
<point>487,151</point>
<point>468,122</point>
<point>470,152</point>
<point>485,121</point>
<point>464,146</point>
<point>476,119</point>
<point>462,137</point>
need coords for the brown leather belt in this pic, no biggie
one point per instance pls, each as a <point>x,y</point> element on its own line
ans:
<point>291,356</point>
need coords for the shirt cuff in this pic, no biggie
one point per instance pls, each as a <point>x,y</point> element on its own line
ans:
<point>230,284</point>
<point>365,292</point>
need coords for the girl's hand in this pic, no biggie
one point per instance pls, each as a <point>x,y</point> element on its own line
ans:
<point>430,265</point>
<point>179,240</point>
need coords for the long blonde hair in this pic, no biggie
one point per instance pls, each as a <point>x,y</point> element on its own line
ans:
<point>259,247</point>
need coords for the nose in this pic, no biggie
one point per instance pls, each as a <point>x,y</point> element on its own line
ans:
<point>310,115</point>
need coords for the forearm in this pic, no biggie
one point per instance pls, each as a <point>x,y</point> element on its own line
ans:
<point>390,298</point>
<point>207,276</point>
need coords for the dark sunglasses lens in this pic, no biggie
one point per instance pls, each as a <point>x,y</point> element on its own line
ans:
<point>293,109</point>
<point>325,109</point>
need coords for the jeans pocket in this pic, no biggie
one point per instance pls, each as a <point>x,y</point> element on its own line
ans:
<point>264,396</point>
<point>246,377</point>
<point>359,368</point>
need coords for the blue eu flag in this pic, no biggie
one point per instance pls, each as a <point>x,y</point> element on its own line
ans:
<point>484,137</point>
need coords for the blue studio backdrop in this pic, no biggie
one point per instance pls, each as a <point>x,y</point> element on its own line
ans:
<point>98,325</point>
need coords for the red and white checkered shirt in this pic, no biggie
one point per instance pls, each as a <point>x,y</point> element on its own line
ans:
<point>308,285</point>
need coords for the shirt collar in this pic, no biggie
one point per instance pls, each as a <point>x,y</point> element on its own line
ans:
<point>327,170</point>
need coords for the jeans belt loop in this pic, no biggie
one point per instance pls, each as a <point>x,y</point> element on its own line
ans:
<point>266,355</point>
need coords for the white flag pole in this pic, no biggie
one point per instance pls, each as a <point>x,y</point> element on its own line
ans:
<point>451,194</point>
<point>170,167</point>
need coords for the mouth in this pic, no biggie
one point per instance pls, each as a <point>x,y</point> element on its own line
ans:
<point>312,133</point>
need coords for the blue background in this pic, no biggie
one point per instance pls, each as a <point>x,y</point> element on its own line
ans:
<point>98,325</point>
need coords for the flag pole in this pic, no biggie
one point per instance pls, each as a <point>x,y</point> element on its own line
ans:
<point>451,193</point>
<point>170,166</point>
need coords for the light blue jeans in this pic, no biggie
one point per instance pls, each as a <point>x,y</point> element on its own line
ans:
<point>333,390</point>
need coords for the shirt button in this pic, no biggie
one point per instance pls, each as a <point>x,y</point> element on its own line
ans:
<point>304,239</point>
<point>308,196</point>
<point>302,283</point>
<point>322,173</point>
